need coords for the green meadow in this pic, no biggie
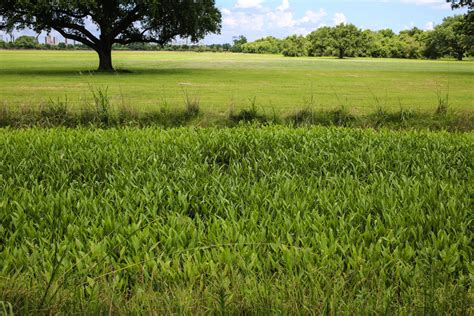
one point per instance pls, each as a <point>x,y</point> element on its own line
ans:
<point>221,82</point>
<point>115,198</point>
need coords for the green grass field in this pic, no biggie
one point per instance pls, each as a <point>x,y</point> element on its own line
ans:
<point>225,81</point>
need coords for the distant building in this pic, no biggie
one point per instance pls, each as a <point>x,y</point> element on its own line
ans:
<point>50,40</point>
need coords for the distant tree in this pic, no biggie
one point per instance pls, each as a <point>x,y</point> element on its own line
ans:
<point>346,38</point>
<point>413,32</point>
<point>452,37</point>
<point>412,43</point>
<point>265,45</point>
<point>468,32</point>
<point>371,45</point>
<point>26,42</point>
<point>387,33</point>
<point>320,42</point>
<point>295,46</point>
<point>238,43</point>
<point>116,22</point>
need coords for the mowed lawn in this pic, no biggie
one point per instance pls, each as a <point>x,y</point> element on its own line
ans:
<point>222,81</point>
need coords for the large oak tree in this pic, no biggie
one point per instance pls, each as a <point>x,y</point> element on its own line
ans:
<point>99,24</point>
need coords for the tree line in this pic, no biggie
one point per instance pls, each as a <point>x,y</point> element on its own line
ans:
<point>153,24</point>
<point>454,37</point>
<point>31,42</point>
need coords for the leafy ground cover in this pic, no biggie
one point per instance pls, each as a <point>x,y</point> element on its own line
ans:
<point>264,220</point>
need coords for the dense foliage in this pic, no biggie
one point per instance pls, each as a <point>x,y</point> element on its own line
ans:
<point>273,220</point>
<point>462,3</point>
<point>453,38</point>
<point>117,22</point>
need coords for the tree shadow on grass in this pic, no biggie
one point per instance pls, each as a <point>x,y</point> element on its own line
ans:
<point>88,72</point>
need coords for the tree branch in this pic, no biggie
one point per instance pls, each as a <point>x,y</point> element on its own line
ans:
<point>81,29</point>
<point>78,38</point>
<point>126,22</point>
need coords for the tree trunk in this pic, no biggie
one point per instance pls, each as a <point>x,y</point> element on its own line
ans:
<point>105,59</point>
<point>341,53</point>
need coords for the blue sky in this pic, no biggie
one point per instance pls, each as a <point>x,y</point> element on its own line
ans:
<point>258,18</point>
<point>280,18</point>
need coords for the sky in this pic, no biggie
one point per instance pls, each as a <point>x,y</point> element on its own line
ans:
<point>280,18</point>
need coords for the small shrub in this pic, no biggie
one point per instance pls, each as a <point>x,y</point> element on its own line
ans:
<point>443,104</point>
<point>192,104</point>
<point>102,105</point>
<point>193,107</point>
<point>404,115</point>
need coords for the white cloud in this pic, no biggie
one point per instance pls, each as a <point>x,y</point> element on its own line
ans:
<point>437,4</point>
<point>283,19</point>
<point>248,4</point>
<point>259,18</point>
<point>313,17</point>
<point>285,5</point>
<point>429,26</point>
<point>244,21</point>
<point>339,18</point>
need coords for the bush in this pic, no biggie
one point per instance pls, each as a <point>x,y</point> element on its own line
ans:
<point>295,46</point>
<point>266,45</point>
<point>26,42</point>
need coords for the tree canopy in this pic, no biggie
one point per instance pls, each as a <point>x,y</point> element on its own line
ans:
<point>99,24</point>
<point>461,3</point>
<point>26,42</point>
<point>345,37</point>
<point>452,38</point>
<point>239,41</point>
